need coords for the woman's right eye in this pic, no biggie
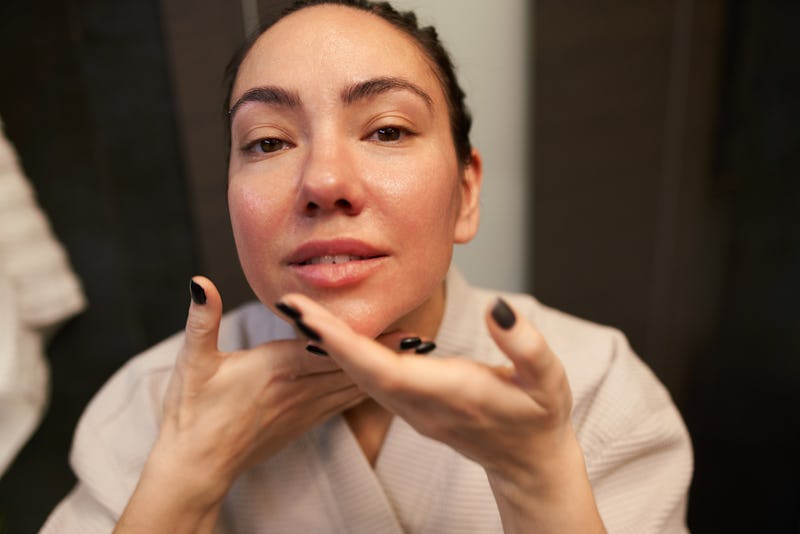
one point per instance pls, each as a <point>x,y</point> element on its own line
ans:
<point>267,145</point>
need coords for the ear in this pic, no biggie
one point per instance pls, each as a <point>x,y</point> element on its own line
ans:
<point>469,216</point>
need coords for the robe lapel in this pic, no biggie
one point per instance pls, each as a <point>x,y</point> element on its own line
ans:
<point>352,485</point>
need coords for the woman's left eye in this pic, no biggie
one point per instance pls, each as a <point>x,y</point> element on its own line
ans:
<point>270,144</point>
<point>389,134</point>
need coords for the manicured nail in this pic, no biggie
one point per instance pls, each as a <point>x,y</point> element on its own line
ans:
<point>313,349</point>
<point>197,292</point>
<point>307,331</point>
<point>289,311</point>
<point>426,347</point>
<point>408,343</point>
<point>503,315</point>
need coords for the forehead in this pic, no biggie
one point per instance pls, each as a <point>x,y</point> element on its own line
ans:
<point>329,46</point>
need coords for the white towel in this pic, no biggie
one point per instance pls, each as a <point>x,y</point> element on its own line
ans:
<point>38,291</point>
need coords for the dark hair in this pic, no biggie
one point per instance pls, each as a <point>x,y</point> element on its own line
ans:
<point>406,21</point>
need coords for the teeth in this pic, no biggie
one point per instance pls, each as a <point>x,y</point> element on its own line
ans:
<point>339,258</point>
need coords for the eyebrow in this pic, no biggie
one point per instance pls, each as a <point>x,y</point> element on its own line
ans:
<point>376,86</point>
<point>278,96</point>
<point>267,95</point>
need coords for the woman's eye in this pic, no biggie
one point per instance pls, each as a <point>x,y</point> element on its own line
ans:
<point>267,145</point>
<point>389,134</point>
<point>270,144</point>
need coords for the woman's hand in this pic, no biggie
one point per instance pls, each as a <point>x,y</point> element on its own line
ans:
<point>513,420</point>
<point>225,412</point>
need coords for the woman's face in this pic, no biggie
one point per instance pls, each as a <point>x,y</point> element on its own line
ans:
<point>344,182</point>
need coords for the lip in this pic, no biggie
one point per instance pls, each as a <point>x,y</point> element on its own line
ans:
<point>333,275</point>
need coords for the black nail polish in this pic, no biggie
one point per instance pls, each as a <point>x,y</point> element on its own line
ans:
<point>197,292</point>
<point>408,343</point>
<point>503,315</point>
<point>307,331</point>
<point>426,347</point>
<point>313,349</point>
<point>289,311</point>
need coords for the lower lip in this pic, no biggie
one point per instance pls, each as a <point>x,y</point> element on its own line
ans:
<point>334,275</point>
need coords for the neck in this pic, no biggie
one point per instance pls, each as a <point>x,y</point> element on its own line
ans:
<point>369,421</point>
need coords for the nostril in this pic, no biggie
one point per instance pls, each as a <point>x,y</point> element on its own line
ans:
<point>313,208</point>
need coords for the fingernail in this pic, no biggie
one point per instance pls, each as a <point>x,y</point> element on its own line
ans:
<point>307,331</point>
<point>289,311</point>
<point>313,349</point>
<point>503,315</point>
<point>408,343</point>
<point>426,347</point>
<point>197,292</point>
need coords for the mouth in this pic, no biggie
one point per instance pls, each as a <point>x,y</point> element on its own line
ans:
<point>335,259</point>
<point>333,252</point>
<point>336,263</point>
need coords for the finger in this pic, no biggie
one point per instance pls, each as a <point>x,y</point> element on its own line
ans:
<point>406,342</point>
<point>364,359</point>
<point>523,344</point>
<point>205,312</point>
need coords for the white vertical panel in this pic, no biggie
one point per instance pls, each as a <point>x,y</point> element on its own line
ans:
<point>489,46</point>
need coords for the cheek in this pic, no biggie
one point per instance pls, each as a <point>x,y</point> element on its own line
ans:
<point>253,215</point>
<point>427,203</point>
<point>243,205</point>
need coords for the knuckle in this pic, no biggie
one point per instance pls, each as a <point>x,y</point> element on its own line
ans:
<point>197,325</point>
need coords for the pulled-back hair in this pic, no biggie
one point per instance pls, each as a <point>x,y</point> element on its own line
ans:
<point>406,21</point>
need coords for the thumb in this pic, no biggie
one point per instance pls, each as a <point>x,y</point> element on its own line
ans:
<point>533,360</point>
<point>205,312</point>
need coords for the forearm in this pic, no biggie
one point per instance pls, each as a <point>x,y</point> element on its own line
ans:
<point>552,498</point>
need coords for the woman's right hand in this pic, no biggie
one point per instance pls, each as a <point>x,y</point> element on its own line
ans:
<point>225,412</point>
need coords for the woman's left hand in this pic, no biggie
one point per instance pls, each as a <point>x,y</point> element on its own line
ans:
<point>513,420</point>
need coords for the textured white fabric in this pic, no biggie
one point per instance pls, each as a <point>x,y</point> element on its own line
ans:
<point>38,290</point>
<point>636,446</point>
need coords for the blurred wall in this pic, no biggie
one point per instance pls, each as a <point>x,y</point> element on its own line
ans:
<point>86,97</point>
<point>667,204</point>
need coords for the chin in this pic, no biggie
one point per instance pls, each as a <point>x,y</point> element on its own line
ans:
<point>367,317</point>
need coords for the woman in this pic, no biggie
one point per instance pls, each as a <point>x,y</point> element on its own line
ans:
<point>351,177</point>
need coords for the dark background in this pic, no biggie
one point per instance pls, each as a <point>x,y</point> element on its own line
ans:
<point>666,202</point>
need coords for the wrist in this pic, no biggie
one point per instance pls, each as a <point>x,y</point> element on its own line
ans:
<point>167,501</point>
<point>550,493</point>
<point>190,480</point>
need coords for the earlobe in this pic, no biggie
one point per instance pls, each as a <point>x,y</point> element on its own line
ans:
<point>469,216</point>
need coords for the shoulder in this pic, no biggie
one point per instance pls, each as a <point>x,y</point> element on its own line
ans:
<point>586,349</point>
<point>119,426</point>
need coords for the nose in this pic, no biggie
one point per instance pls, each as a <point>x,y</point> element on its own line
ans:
<point>330,183</point>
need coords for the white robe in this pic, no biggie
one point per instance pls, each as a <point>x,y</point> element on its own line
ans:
<point>637,449</point>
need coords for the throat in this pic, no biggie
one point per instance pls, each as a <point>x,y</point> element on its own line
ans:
<point>369,422</point>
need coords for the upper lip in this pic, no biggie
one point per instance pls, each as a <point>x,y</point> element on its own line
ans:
<point>333,247</point>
